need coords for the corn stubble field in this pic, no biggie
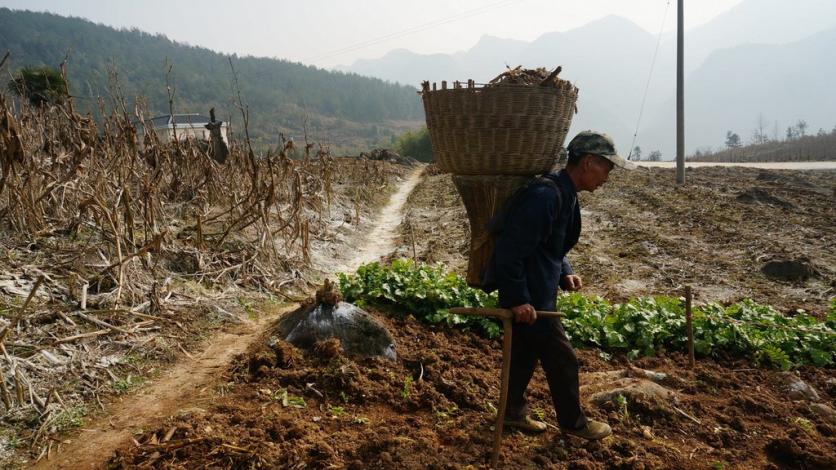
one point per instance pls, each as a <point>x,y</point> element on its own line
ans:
<point>121,252</point>
<point>123,256</point>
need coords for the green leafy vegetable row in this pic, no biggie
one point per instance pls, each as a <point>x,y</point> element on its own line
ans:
<point>425,291</point>
<point>647,325</point>
<point>641,327</point>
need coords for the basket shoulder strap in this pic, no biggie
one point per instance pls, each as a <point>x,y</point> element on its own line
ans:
<point>497,224</point>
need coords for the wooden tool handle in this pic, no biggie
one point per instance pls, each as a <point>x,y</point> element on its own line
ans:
<point>501,313</point>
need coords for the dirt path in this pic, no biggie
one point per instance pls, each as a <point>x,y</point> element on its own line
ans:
<point>196,381</point>
<point>188,384</point>
<point>381,239</point>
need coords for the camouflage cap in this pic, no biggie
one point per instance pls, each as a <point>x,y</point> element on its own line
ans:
<point>598,143</point>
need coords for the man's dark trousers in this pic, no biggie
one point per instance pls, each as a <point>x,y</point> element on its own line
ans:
<point>545,341</point>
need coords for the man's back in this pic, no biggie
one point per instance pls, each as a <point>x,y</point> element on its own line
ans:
<point>541,224</point>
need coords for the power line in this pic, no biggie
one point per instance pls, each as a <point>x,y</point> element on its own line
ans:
<point>649,77</point>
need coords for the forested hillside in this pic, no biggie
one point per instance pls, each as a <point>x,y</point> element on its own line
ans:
<point>346,110</point>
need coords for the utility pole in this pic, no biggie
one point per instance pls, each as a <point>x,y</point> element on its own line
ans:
<point>680,93</point>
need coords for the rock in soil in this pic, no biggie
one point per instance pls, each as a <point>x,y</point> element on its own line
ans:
<point>827,413</point>
<point>830,386</point>
<point>634,390</point>
<point>789,270</point>
<point>799,389</point>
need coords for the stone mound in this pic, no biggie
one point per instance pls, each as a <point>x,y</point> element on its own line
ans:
<point>317,324</point>
<point>789,270</point>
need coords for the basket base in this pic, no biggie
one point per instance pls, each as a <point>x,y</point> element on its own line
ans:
<point>483,197</point>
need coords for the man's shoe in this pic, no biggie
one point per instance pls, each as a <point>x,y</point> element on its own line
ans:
<point>594,430</point>
<point>526,424</point>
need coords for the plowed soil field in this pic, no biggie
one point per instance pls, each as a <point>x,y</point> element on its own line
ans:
<point>281,407</point>
<point>730,232</point>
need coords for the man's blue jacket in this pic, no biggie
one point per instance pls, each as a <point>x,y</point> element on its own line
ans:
<point>540,225</point>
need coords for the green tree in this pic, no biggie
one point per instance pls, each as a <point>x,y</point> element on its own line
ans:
<point>40,85</point>
<point>416,145</point>
<point>636,154</point>
<point>732,140</point>
<point>654,156</point>
<point>801,125</point>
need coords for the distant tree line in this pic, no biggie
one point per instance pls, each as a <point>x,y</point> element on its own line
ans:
<point>796,145</point>
<point>636,155</point>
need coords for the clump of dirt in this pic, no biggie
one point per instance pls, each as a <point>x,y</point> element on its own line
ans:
<point>761,196</point>
<point>434,408</point>
<point>271,354</point>
<point>328,349</point>
<point>784,178</point>
<point>799,452</point>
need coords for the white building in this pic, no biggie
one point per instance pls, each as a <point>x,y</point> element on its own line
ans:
<point>184,126</point>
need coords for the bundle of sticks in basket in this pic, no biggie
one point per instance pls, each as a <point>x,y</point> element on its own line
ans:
<point>529,77</point>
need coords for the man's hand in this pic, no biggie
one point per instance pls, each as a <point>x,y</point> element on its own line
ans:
<point>524,314</point>
<point>571,282</point>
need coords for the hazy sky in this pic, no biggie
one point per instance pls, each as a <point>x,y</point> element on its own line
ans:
<point>327,33</point>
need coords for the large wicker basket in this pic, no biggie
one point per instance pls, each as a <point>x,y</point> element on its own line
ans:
<point>509,130</point>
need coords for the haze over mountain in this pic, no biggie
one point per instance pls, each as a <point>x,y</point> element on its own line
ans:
<point>778,84</point>
<point>768,58</point>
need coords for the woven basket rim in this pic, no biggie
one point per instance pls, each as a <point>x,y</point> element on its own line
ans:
<point>470,85</point>
<point>496,89</point>
<point>512,129</point>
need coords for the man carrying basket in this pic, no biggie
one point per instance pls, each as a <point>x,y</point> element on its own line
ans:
<point>539,226</point>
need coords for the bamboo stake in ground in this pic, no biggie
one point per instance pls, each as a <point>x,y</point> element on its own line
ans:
<point>689,326</point>
<point>507,331</point>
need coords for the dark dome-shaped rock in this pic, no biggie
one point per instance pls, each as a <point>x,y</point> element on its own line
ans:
<point>359,333</point>
<point>761,196</point>
<point>789,270</point>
